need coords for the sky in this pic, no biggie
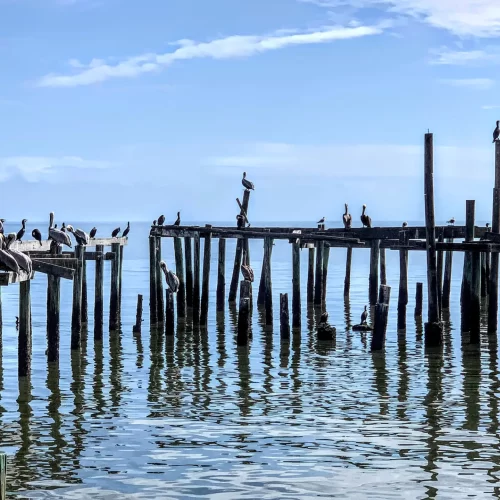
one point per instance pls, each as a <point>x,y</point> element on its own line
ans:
<point>122,110</point>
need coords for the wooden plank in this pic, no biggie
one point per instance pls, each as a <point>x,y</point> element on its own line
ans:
<point>10,277</point>
<point>56,270</point>
<point>106,242</point>
<point>56,261</point>
<point>71,255</point>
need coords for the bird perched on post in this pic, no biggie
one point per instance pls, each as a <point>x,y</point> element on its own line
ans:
<point>81,237</point>
<point>21,258</point>
<point>154,222</point>
<point>178,220</point>
<point>37,235</point>
<point>246,270</point>
<point>170,277</point>
<point>364,316</point>
<point>365,219</point>
<point>161,220</point>
<point>496,132</point>
<point>321,221</point>
<point>346,218</point>
<point>115,232</point>
<point>240,221</point>
<point>59,236</point>
<point>246,183</point>
<point>63,227</point>
<point>127,230</point>
<point>451,221</point>
<point>21,231</point>
<point>93,232</point>
<point>405,224</point>
<point>6,258</point>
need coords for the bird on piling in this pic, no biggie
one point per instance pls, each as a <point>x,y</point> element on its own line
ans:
<point>246,270</point>
<point>240,221</point>
<point>55,226</point>
<point>324,317</point>
<point>246,183</point>
<point>405,224</point>
<point>22,259</point>
<point>364,316</point>
<point>63,227</point>
<point>59,236</point>
<point>451,221</point>
<point>346,218</point>
<point>37,235</point>
<point>170,277</point>
<point>161,220</point>
<point>1,226</point>
<point>93,232</point>
<point>21,231</point>
<point>154,222</point>
<point>488,226</point>
<point>17,322</point>
<point>127,230</point>
<point>365,219</point>
<point>115,232</point>
<point>81,237</point>
<point>321,221</point>
<point>6,259</point>
<point>496,132</point>
<point>178,220</point>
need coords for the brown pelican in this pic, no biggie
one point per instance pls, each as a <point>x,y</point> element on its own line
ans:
<point>364,316</point>
<point>240,221</point>
<point>22,259</point>
<point>171,279</point>
<point>127,230</point>
<point>81,237</point>
<point>451,221</point>
<point>321,221</point>
<point>365,219</point>
<point>1,225</point>
<point>496,132</point>
<point>161,220</point>
<point>246,270</point>
<point>405,224</point>
<point>115,232</point>
<point>246,183</point>
<point>37,235</point>
<point>178,220</point>
<point>60,237</point>
<point>21,231</point>
<point>92,232</point>
<point>346,218</point>
<point>63,227</point>
<point>6,258</point>
<point>324,317</point>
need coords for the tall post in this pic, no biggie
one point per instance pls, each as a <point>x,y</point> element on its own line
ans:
<point>76,317</point>
<point>189,271</point>
<point>347,279</point>
<point>138,316</point>
<point>326,259</point>
<point>318,284</point>
<point>433,329</point>
<point>196,279</point>
<point>179,271</point>
<point>296,305</point>
<point>403,280</point>
<point>99,293</point>
<point>284,317</point>
<point>448,265</point>
<point>114,317</point>
<point>495,227</point>
<point>261,296</point>
<point>221,275</point>
<point>439,271</point>
<point>206,278</point>
<point>374,266</point>
<point>85,311</point>
<point>383,273</point>
<point>53,316</point>
<point>24,339</point>
<point>268,298</point>
<point>153,304</point>
<point>159,281</point>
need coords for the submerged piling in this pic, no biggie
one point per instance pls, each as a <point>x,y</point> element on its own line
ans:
<point>196,278</point>
<point>189,271</point>
<point>53,316</point>
<point>448,264</point>
<point>495,227</point>
<point>242,336</point>
<point>419,299</point>
<point>76,317</point>
<point>85,312</point>
<point>99,293</point>
<point>284,317</point>
<point>310,276</point>
<point>138,316</point>
<point>381,315</point>
<point>326,258</point>
<point>439,272</point>
<point>153,303</point>
<point>268,294</point>
<point>318,284</point>
<point>159,281</point>
<point>169,313</point>
<point>114,315</point>
<point>347,279</point>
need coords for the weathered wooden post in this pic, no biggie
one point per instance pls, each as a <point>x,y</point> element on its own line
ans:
<point>374,266</point>
<point>138,316</point>
<point>326,258</point>
<point>284,317</point>
<point>76,317</point>
<point>433,328</point>
<point>169,313</point>
<point>261,296</point>
<point>53,316</point>
<point>347,279</point>
<point>24,339</point>
<point>475,317</point>
<point>495,227</point>
<point>318,284</point>
<point>310,276</point>
<point>206,278</point>
<point>383,273</point>
<point>244,314</point>
<point>196,279</point>
<point>179,271</point>
<point>99,293</point>
<point>3,476</point>
<point>85,312</point>
<point>159,281</point>
<point>114,317</point>
<point>403,280</point>
<point>439,271</point>
<point>153,276</point>
<point>221,275</point>
<point>419,299</point>
<point>120,282</point>
<point>448,264</point>
<point>485,257</point>
<point>381,315</point>
<point>189,271</point>
<point>296,304</point>
<point>268,296</point>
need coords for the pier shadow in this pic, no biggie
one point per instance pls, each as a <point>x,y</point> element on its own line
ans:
<point>404,378</point>
<point>245,402</point>
<point>471,369</point>
<point>97,382</point>
<point>380,381</point>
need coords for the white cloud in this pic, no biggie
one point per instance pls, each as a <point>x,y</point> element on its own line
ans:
<point>490,107</point>
<point>446,56</point>
<point>224,48</point>
<point>472,83</point>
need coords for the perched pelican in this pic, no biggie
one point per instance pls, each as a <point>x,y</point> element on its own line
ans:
<point>324,317</point>
<point>115,232</point>
<point>240,221</point>
<point>59,236</point>
<point>451,221</point>
<point>346,218</point>
<point>81,237</point>
<point>405,224</point>
<point>93,231</point>
<point>37,235</point>
<point>6,258</point>
<point>365,219</point>
<point>496,132</point>
<point>178,220</point>
<point>161,220</point>
<point>247,271</point>
<point>1,225</point>
<point>170,277</point>
<point>364,316</point>
<point>321,221</point>
<point>127,230</point>
<point>63,227</point>
<point>246,183</point>
<point>22,259</point>
<point>21,231</point>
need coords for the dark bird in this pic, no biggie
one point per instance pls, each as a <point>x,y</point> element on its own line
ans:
<point>127,230</point>
<point>17,322</point>
<point>324,317</point>
<point>246,270</point>
<point>451,221</point>
<point>170,277</point>
<point>240,221</point>
<point>246,183</point>
<point>346,218</point>
<point>21,258</point>
<point>115,232</point>
<point>496,132</point>
<point>321,221</point>
<point>21,231</point>
<point>59,236</point>
<point>365,219</point>
<point>405,224</point>
<point>178,220</point>
<point>93,232</point>
<point>63,227</point>
<point>364,316</point>
<point>55,226</point>
<point>154,222</point>
<point>81,237</point>
<point>488,226</point>
<point>161,220</point>
<point>1,225</point>
<point>37,235</point>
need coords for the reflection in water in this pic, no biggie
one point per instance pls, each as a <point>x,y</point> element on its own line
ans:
<point>245,402</point>
<point>22,458</point>
<point>403,378</point>
<point>471,364</point>
<point>380,382</point>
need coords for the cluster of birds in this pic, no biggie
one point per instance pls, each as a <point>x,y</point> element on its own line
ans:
<point>366,220</point>
<point>161,220</point>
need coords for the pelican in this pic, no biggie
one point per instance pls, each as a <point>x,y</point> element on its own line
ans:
<point>127,230</point>
<point>1,225</point>
<point>405,224</point>
<point>63,227</point>
<point>451,221</point>
<point>161,220</point>
<point>21,231</point>
<point>246,183</point>
<point>115,232</point>
<point>321,221</point>
<point>178,220</point>
<point>365,219</point>
<point>37,235</point>
<point>81,237</point>
<point>22,259</point>
<point>6,258</point>
<point>170,277</point>
<point>347,219</point>
<point>364,316</point>
<point>324,317</point>
<point>247,271</point>
<point>92,232</point>
<point>496,132</point>
<point>59,236</point>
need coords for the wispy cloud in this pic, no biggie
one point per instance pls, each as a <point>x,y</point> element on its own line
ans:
<point>446,56</point>
<point>472,83</point>
<point>489,106</point>
<point>237,46</point>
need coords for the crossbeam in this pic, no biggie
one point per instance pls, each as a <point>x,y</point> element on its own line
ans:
<point>53,270</point>
<point>34,246</point>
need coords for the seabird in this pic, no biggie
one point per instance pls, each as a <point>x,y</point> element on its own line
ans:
<point>59,236</point>
<point>324,317</point>
<point>154,222</point>
<point>1,225</point>
<point>93,232</point>
<point>21,231</point>
<point>22,259</point>
<point>17,322</point>
<point>246,183</point>
<point>246,270</point>
<point>161,220</point>
<point>55,226</point>
<point>170,277</point>
<point>115,232</point>
<point>240,221</point>
<point>178,220</point>
<point>346,218</point>
<point>127,230</point>
<point>405,224</point>
<point>6,258</point>
<point>496,132</point>
<point>81,237</point>
<point>364,316</point>
<point>63,227</point>
<point>37,235</point>
<point>488,226</point>
<point>321,221</point>
<point>365,219</point>
<point>451,221</point>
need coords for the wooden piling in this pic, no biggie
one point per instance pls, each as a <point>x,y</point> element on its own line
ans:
<point>433,328</point>
<point>85,312</point>
<point>3,476</point>
<point>53,316</point>
<point>419,299</point>
<point>114,318</point>
<point>403,281</point>
<point>138,316</point>
<point>120,281</point>
<point>448,264</point>
<point>284,317</point>
<point>374,267</point>
<point>242,336</point>
<point>179,271</point>
<point>326,258</point>
<point>24,338</point>
<point>296,303</point>
<point>347,279</point>
<point>169,313</point>
<point>261,296</point>
<point>99,293</point>
<point>485,256</point>
<point>439,272</point>
<point>318,284</point>
<point>495,227</point>
<point>189,271</point>
<point>221,275</point>
<point>196,279</point>
<point>381,315</point>
<point>207,255</point>
<point>159,281</point>
<point>76,317</point>
<point>153,303</point>
<point>383,273</point>
<point>475,309</point>
<point>268,294</point>
<point>310,276</point>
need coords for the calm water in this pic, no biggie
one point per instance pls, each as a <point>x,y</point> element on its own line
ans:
<point>142,416</point>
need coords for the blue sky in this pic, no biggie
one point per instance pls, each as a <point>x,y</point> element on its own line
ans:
<point>114,109</point>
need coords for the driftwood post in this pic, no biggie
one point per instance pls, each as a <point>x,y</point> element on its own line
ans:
<point>53,316</point>
<point>310,277</point>
<point>169,313</point>
<point>284,316</point>
<point>221,275</point>
<point>138,315</point>
<point>153,304</point>
<point>383,273</point>
<point>24,339</point>
<point>347,279</point>
<point>403,281</point>
<point>206,278</point>
<point>318,284</point>
<point>296,305</point>
<point>189,271</point>
<point>196,279</point>
<point>448,264</point>
<point>179,271</point>
<point>495,227</point>
<point>374,266</point>
<point>99,293</point>
<point>159,281</point>
<point>381,315</point>
<point>419,299</point>
<point>114,314</point>
<point>76,317</point>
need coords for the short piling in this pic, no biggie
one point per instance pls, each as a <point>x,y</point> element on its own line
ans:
<point>99,293</point>
<point>448,265</point>
<point>374,267</point>
<point>284,317</point>
<point>188,255</point>
<point>179,271</point>
<point>381,315</point>
<point>24,337</point>
<point>318,284</point>
<point>419,300</point>
<point>242,336</point>
<point>196,279</point>
<point>347,279</point>
<point>221,275</point>
<point>207,255</point>
<point>114,316</point>
<point>138,316</point>
<point>310,276</point>
<point>76,317</point>
<point>153,303</point>
<point>296,303</point>
<point>403,281</point>
<point>169,313</point>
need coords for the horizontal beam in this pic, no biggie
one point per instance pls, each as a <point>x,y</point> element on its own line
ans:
<point>477,246</point>
<point>53,270</point>
<point>34,246</point>
<point>10,277</point>
<point>58,261</point>
<point>71,255</point>
<point>106,242</point>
